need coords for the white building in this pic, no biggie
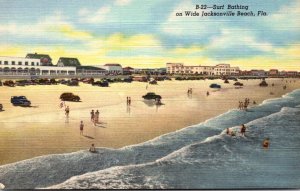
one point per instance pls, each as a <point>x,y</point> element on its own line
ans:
<point>20,66</point>
<point>225,69</point>
<point>220,69</point>
<point>113,68</point>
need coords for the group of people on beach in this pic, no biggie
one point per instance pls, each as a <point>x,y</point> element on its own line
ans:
<point>265,144</point>
<point>244,105</point>
<point>94,120</point>
<point>95,117</point>
<point>67,108</point>
<point>232,133</point>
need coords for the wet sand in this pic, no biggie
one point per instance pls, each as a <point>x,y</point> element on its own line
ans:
<point>43,128</point>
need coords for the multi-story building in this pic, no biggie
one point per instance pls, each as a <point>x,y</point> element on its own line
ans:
<point>225,69</point>
<point>220,69</point>
<point>32,66</point>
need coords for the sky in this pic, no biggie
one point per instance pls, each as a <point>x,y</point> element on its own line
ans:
<point>148,34</point>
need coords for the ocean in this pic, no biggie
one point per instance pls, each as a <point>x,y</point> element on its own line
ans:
<point>201,156</point>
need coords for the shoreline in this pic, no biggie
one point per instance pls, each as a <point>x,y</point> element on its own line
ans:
<point>143,123</point>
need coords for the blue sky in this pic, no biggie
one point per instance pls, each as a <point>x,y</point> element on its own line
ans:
<point>147,33</point>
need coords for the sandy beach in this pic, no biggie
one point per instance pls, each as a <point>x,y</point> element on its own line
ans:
<point>43,128</point>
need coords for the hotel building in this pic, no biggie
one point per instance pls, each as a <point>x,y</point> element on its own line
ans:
<point>32,66</point>
<point>220,69</point>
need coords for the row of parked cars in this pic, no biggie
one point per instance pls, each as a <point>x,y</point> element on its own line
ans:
<point>67,96</point>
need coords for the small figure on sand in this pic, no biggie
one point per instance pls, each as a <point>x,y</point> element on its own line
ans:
<point>81,127</point>
<point>92,115</point>
<point>266,143</point>
<point>207,93</point>
<point>92,149</point>
<point>158,101</point>
<point>243,130</point>
<point>61,105</point>
<point>128,101</point>
<point>254,102</point>
<point>190,91</point>
<point>146,86</point>
<point>241,105</point>
<point>67,111</point>
<point>96,120</point>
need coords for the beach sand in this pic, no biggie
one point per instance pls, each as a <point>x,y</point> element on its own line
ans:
<point>43,128</point>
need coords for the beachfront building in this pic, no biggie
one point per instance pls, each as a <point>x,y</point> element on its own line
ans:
<point>90,70</point>
<point>66,62</point>
<point>225,69</point>
<point>220,69</point>
<point>45,59</point>
<point>31,66</point>
<point>128,70</point>
<point>112,68</point>
<point>258,73</point>
<point>273,72</point>
<point>150,71</point>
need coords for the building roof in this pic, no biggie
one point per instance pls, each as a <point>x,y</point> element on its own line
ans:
<point>69,61</point>
<point>128,68</point>
<point>39,56</point>
<point>90,68</point>
<point>112,65</point>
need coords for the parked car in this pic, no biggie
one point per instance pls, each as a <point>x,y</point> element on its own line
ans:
<point>101,83</point>
<point>20,101</point>
<point>151,95</point>
<point>153,82</point>
<point>9,83</point>
<point>215,86</point>
<point>69,97</point>
<point>263,84</point>
<point>226,81</point>
<point>73,83</point>
<point>238,84</point>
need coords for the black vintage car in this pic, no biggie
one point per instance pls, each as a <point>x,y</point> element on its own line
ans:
<point>151,95</point>
<point>102,83</point>
<point>9,83</point>
<point>69,97</point>
<point>20,101</point>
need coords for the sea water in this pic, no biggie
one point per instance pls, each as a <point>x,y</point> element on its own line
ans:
<point>200,156</point>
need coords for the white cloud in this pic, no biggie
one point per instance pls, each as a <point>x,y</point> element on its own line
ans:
<point>236,37</point>
<point>38,29</point>
<point>286,18</point>
<point>92,17</point>
<point>122,2</point>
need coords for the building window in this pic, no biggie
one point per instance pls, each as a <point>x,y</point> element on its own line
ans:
<point>5,62</point>
<point>13,63</point>
<point>0,62</point>
<point>37,64</point>
<point>19,63</point>
<point>32,63</point>
<point>26,63</point>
